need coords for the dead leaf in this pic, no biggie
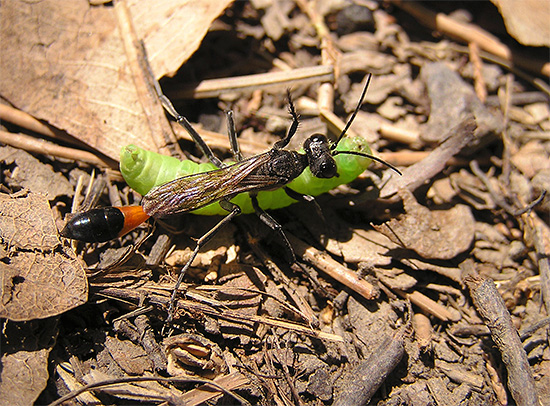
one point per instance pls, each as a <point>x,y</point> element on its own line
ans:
<point>131,358</point>
<point>33,174</point>
<point>191,354</point>
<point>531,159</point>
<point>433,234</point>
<point>173,30</point>
<point>40,278</point>
<point>24,362</point>
<point>451,101</point>
<point>74,74</point>
<point>526,20</point>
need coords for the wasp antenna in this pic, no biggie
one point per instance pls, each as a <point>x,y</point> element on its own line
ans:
<point>374,158</point>
<point>348,124</point>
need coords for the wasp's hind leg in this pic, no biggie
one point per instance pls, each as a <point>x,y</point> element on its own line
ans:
<point>274,225</point>
<point>234,211</point>
<point>232,134</point>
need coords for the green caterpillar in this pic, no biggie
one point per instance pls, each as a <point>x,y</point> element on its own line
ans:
<point>142,170</point>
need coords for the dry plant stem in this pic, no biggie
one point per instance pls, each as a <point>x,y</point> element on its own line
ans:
<point>479,85</point>
<point>505,100</point>
<point>427,305</point>
<point>398,134</point>
<point>334,123</point>
<point>203,393</point>
<point>286,373</point>
<point>366,378</point>
<point>277,391</point>
<point>534,81</point>
<point>325,263</point>
<point>422,330</point>
<point>403,158</point>
<point>498,386</point>
<point>543,261</point>
<point>24,120</point>
<point>492,309</point>
<point>116,381</point>
<point>530,330</point>
<point>470,33</point>
<point>330,54</point>
<point>413,177</point>
<point>305,309</point>
<point>194,307</point>
<point>144,82</point>
<point>44,147</point>
<point>216,87</point>
<point>72,383</point>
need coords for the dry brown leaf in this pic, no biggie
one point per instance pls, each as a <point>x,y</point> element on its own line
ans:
<point>531,158</point>
<point>173,30</point>
<point>32,174</point>
<point>131,358</point>
<point>24,362</point>
<point>74,74</point>
<point>433,234</point>
<point>39,277</point>
<point>192,354</point>
<point>451,101</point>
<point>526,20</point>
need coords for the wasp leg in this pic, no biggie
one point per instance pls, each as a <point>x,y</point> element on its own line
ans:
<point>305,198</point>
<point>232,134</point>
<point>233,210</point>
<point>272,223</point>
<point>293,127</point>
<point>181,120</point>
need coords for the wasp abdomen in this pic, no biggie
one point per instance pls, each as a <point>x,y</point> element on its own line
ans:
<point>104,224</point>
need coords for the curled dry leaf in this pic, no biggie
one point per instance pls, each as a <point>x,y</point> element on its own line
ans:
<point>190,354</point>
<point>432,234</point>
<point>39,277</point>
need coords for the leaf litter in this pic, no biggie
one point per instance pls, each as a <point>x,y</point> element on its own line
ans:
<point>405,282</point>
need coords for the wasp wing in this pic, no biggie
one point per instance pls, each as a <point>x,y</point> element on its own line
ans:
<point>194,191</point>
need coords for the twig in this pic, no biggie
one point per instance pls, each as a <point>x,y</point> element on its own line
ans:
<point>216,87</point>
<point>470,33</point>
<point>398,134</point>
<point>25,120</point>
<point>325,263</point>
<point>116,381</point>
<point>366,378</point>
<point>414,176</point>
<point>40,146</point>
<point>428,305</point>
<point>305,309</point>
<point>499,201</point>
<point>479,82</point>
<point>492,309</point>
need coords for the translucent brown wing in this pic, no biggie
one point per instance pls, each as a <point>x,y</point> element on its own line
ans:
<point>194,191</point>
